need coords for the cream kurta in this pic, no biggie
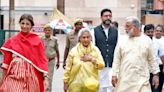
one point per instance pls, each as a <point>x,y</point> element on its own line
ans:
<point>78,71</point>
<point>132,59</point>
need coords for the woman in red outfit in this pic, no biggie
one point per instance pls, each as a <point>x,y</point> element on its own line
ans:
<point>25,64</point>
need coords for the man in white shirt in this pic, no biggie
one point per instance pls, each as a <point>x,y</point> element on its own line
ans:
<point>158,36</point>
<point>159,54</point>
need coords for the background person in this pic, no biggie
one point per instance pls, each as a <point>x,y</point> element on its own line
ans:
<point>159,55</point>
<point>52,51</point>
<point>158,36</point>
<point>71,39</point>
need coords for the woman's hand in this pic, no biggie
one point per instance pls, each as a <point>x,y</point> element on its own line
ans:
<point>46,84</point>
<point>86,58</point>
<point>65,87</point>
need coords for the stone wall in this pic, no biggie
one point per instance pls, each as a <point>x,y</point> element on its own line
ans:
<point>85,9</point>
<point>90,10</point>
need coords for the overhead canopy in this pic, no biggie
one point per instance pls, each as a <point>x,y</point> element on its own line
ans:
<point>60,24</point>
<point>58,15</point>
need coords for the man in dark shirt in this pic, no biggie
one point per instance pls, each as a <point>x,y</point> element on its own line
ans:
<point>106,39</point>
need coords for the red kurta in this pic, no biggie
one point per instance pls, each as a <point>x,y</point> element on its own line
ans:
<point>29,48</point>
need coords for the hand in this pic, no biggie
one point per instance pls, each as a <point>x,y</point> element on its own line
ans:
<point>64,65</point>
<point>86,58</point>
<point>57,65</point>
<point>65,87</point>
<point>51,58</point>
<point>46,84</point>
<point>114,81</point>
<point>155,81</point>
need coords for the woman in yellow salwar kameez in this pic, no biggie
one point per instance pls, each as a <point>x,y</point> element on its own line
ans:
<point>83,63</point>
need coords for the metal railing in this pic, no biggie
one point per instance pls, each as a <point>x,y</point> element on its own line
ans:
<point>5,34</point>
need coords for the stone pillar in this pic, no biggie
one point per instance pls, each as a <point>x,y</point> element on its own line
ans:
<point>61,6</point>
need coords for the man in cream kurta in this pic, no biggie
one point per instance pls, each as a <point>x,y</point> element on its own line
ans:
<point>133,58</point>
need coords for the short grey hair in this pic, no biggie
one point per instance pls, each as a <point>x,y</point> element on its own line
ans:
<point>162,27</point>
<point>134,20</point>
<point>81,31</point>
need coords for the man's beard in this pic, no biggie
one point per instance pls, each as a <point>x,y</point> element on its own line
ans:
<point>107,22</point>
<point>130,33</point>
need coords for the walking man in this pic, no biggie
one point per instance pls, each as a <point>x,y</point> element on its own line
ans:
<point>105,37</point>
<point>71,39</point>
<point>133,60</point>
<point>52,51</point>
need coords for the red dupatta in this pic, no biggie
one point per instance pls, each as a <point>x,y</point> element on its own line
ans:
<point>29,47</point>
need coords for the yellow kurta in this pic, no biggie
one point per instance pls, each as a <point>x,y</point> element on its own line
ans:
<point>132,59</point>
<point>78,71</point>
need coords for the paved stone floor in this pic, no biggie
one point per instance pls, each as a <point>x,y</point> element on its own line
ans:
<point>58,74</point>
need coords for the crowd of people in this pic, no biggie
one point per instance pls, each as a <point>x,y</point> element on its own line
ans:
<point>98,60</point>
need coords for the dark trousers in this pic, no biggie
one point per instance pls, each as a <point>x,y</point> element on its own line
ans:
<point>161,80</point>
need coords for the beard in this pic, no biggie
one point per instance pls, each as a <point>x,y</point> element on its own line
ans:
<point>130,33</point>
<point>107,22</point>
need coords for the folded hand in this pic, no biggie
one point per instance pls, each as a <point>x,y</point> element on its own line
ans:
<point>86,58</point>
